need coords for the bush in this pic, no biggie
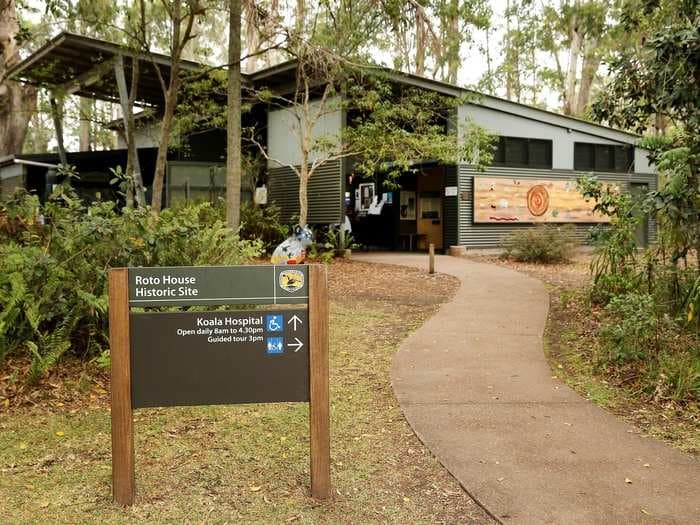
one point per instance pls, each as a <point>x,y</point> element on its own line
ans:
<point>263,223</point>
<point>546,244</point>
<point>633,332</point>
<point>54,261</point>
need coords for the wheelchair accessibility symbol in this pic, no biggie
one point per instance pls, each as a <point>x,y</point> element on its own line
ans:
<point>274,323</point>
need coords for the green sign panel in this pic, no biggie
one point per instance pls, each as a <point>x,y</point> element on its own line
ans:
<point>216,285</point>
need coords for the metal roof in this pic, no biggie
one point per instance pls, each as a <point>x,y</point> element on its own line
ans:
<point>70,59</point>
<point>86,62</point>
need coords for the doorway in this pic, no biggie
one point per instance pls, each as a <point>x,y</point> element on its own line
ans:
<point>429,212</point>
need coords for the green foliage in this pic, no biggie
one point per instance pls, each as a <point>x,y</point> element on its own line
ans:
<point>54,261</point>
<point>640,339</point>
<point>614,267</point>
<point>263,223</point>
<point>545,244</point>
<point>337,242</point>
<point>635,330</point>
<point>649,327</point>
<point>678,376</point>
<point>391,127</point>
<point>659,78</point>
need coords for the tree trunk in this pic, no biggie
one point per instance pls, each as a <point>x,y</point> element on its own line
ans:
<point>170,94</point>
<point>300,16</point>
<point>588,73</point>
<point>453,44</point>
<point>163,143</point>
<point>509,86</point>
<point>132,151</point>
<point>420,45</point>
<point>17,101</point>
<point>574,53</point>
<point>303,194</point>
<point>57,113</point>
<point>233,122</point>
<point>84,131</point>
<point>253,34</point>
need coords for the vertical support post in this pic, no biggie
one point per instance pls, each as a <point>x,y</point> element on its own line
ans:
<point>431,258</point>
<point>319,409</point>
<point>127,118</point>
<point>57,115</point>
<point>123,480</point>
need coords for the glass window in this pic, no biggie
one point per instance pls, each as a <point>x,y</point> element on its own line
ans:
<point>603,157</point>
<point>430,205</point>
<point>523,153</point>
<point>540,153</point>
<point>194,182</point>
<point>516,152</point>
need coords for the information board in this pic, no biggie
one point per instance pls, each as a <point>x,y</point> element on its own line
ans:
<point>207,358</point>
<point>263,354</point>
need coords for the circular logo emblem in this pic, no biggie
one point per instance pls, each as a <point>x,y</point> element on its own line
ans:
<point>291,280</point>
<point>538,200</point>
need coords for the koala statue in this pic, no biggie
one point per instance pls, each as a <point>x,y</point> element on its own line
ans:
<point>293,249</point>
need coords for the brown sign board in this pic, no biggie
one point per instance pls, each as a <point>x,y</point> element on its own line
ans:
<point>268,354</point>
<point>207,358</point>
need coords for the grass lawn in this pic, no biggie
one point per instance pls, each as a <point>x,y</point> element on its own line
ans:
<point>571,335</point>
<point>244,463</point>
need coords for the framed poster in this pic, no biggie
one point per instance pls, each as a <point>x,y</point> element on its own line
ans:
<point>366,195</point>
<point>504,200</point>
<point>407,207</point>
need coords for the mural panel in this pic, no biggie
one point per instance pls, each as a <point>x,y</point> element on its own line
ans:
<point>501,200</point>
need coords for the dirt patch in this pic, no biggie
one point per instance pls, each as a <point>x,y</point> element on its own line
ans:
<point>389,284</point>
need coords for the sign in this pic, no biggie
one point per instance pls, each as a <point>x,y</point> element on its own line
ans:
<point>506,200</point>
<point>212,358</point>
<point>451,191</point>
<point>216,285</point>
<point>264,355</point>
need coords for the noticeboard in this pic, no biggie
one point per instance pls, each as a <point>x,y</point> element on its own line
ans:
<point>263,354</point>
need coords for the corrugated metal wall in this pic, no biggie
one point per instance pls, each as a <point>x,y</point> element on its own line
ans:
<point>491,235</point>
<point>325,193</point>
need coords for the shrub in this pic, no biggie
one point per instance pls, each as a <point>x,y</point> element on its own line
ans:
<point>263,223</point>
<point>679,376</point>
<point>54,261</point>
<point>633,329</point>
<point>546,244</point>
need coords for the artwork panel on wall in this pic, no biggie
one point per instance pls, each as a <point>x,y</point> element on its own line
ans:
<point>506,200</point>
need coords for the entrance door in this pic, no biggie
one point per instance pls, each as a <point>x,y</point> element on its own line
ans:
<point>639,191</point>
<point>430,183</point>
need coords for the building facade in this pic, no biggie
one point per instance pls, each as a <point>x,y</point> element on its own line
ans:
<point>538,157</point>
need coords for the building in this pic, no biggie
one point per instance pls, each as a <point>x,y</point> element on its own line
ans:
<point>539,156</point>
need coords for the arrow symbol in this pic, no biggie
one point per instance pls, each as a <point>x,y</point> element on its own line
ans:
<point>295,320</point>
<point>297,346</point>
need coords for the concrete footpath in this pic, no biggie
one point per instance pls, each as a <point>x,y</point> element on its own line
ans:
<point>474,384</point>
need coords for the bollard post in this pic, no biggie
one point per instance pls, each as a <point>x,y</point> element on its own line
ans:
<point>431,258</point>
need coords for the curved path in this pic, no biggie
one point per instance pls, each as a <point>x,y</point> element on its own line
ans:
<point>474,384</point>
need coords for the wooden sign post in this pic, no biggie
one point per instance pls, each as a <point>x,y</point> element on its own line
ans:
<point>218,357</point>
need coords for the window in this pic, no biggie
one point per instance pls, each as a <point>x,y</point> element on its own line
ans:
<point>523,153</point>
<point>193,182</point>
<point>603,157</point>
